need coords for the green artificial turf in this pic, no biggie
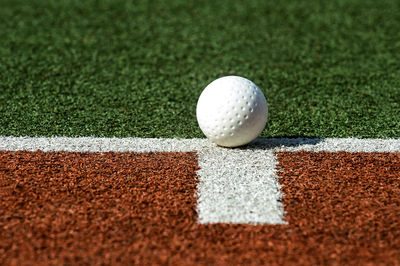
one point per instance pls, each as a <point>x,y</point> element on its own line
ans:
<point>136,68</point>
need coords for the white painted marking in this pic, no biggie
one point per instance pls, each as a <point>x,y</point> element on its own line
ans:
<point>235,185</point>
<point>91,144</point>
<point>238,186</point>
<point>328,144</point>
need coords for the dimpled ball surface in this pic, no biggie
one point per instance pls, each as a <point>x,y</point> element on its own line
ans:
<point>232,111</point>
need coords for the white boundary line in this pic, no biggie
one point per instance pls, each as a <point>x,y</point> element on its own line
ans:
<point>92,144</point>
<point>235,185</point>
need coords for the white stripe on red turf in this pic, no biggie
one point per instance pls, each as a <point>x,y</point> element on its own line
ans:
<point>235,185</point>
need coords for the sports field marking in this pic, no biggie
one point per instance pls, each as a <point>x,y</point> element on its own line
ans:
<point>91,144</point>
<point>235,185</point>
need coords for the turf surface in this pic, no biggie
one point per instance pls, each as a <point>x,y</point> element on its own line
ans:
<point>136,68</point>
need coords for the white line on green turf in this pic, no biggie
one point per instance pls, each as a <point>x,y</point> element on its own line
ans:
<point>235,185</point>
<point>91,144</point>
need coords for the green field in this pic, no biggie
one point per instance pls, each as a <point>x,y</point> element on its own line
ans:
<point>136,68</point>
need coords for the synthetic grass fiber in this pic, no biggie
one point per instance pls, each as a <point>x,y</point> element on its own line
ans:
<point>136,68</point>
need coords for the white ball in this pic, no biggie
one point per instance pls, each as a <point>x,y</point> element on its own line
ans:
<point>232,111</point>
